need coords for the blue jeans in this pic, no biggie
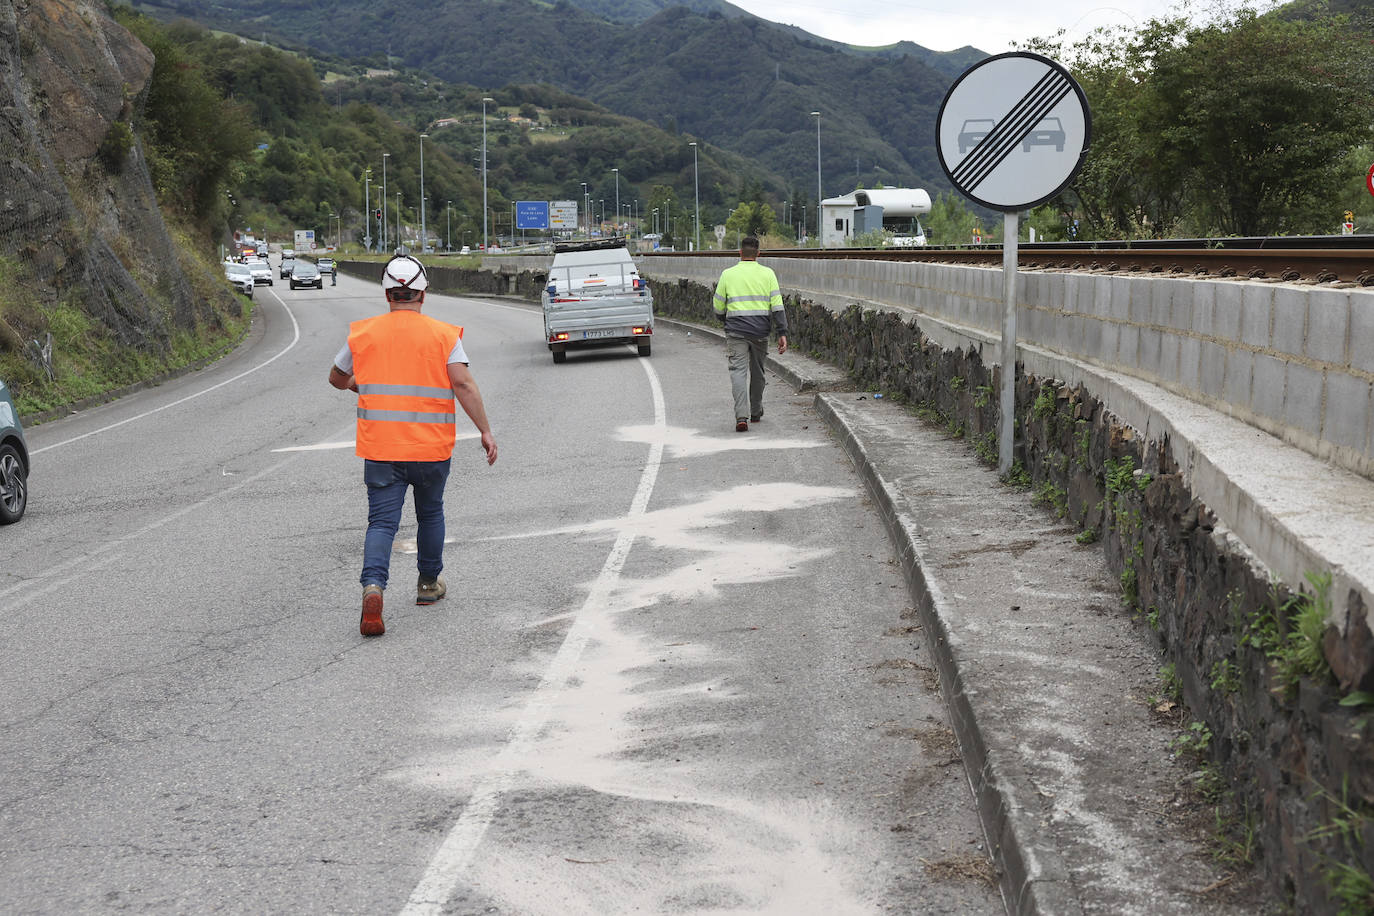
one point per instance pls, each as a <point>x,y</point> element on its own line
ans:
<point>386,494</point>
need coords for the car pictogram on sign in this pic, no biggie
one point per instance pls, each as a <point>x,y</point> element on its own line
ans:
<point>974,130</point>
<point>1049,132</point>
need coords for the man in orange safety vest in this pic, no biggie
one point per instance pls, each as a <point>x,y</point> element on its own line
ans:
<point>407,368</point>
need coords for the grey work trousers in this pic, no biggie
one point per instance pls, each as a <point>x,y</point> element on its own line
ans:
<point>746,356</point>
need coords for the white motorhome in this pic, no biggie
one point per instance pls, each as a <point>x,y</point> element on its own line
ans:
<point>895,210</point>
<point>595,296</point>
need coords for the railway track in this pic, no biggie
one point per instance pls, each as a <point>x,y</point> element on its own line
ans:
<point>1304,259</point>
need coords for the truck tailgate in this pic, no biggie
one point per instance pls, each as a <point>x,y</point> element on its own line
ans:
<point>599,313</point>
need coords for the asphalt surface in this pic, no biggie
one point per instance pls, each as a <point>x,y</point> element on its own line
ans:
<point>678,670</point>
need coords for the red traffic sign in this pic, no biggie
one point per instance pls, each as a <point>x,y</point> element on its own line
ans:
<point>1369,179</point>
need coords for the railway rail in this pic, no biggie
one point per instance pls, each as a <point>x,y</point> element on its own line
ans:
<point>1305,259</point>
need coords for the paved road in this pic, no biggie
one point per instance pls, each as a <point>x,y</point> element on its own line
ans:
<point>676,671</point>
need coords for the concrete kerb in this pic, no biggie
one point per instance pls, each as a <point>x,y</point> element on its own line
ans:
<point>1034,877</point>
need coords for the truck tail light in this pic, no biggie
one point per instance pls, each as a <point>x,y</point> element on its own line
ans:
<point>641,332</point>
<point>561,335</point>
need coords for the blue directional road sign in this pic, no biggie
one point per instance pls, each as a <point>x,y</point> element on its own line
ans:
<point>1013,131</point>
<point>531,214</point>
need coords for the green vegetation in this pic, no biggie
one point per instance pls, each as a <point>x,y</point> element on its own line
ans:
<point>194,139</point>
<point>1294,651</point>
<point>1194,742</point>
<point>1225,676</point>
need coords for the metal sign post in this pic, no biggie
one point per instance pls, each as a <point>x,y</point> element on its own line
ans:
<point>1011,134</point>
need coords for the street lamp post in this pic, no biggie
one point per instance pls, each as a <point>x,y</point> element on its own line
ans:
<point>485,100</point>
<point>385,156</point>
<point>617,195</point>
<point>338,230</point>
<point>817,115</point>
<point>400,239</point>
<point>367,208</point>
<point>448,232</point>
<point>696,191</point>
<point>424,236</point>
<point>584,209</point>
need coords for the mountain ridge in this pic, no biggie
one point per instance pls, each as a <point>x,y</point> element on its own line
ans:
<point>743,83</point>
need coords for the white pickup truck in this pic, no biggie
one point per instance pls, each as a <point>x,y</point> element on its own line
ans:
<point>595,296</point>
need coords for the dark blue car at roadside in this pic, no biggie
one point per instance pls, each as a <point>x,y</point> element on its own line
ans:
<point>14,461</point>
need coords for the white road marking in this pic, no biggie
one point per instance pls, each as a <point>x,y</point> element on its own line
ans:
<point>295,338</point>
<point>456,853</point>
<point>108,552</point>
<point>691,443</point>
<point>327,446</point>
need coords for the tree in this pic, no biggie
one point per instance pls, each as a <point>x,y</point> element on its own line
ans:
<point>1263,111</point>
<point>756,219</point>
<point>950,222</point>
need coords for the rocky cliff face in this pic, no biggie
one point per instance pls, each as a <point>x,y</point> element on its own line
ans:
<point>79,222</point>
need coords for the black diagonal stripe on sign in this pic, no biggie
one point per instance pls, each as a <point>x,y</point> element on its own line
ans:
<point>993,145</point>
<point>1014,128</point>
<point>993,149</point>
<point>1026,122</point>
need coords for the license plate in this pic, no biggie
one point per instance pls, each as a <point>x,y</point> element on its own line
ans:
<point>592,335</point>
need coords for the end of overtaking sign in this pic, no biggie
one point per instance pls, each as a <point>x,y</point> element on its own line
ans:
<point>1013,131</point>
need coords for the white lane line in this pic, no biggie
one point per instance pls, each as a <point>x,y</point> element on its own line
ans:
<point>456,854</point>
<point>296,336</point>
<point>327,446</point>
<point>107,553</point>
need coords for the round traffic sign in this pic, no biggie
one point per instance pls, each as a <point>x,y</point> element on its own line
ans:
<point>1369,179</point>
<point>1013,130</point>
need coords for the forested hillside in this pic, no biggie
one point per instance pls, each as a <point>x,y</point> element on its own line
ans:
<point>739,83</point>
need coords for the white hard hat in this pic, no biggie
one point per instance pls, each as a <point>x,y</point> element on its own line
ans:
<point>404,272</point>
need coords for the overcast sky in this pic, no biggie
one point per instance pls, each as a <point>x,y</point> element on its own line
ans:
<point>944,25</point>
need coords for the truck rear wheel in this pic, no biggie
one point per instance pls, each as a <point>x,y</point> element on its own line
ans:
<point>560,355</point>
<point>644,348</point>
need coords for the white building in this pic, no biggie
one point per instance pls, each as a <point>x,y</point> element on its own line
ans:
<point>897,210</point>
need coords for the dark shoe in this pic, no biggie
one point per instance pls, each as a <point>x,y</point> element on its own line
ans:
<point>371,624</point>
<point>756,417</point>
<point>741,425</point>
<point>430,592</point>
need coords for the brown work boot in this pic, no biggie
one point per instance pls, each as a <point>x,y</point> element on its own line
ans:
<point>741,424</point>
<point>371,624</point>
<point>430,592</point>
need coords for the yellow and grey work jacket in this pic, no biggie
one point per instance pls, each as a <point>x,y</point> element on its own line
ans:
<point>749,300</point>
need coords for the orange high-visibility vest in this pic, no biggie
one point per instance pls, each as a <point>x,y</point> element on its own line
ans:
<point>405,398</point>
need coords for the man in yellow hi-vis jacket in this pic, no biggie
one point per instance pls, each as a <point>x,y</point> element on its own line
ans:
<point>749,300</point>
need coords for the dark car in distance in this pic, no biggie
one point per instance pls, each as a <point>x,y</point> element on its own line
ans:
<point>286,264</point>
<point>303,273</point>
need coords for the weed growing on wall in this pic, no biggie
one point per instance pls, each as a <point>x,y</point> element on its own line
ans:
<point>1294,651</point>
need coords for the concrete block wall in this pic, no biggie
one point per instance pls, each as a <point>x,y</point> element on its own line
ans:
<point>1295,361</point>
